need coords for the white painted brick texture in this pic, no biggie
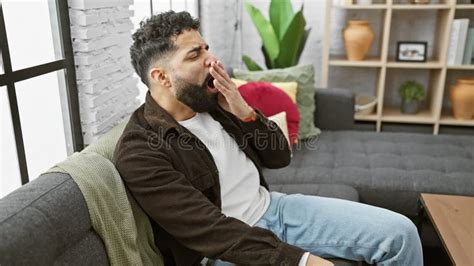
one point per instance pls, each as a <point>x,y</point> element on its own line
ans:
<point>101,34</point>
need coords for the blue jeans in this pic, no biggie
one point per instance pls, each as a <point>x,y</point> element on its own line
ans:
<point>335,228</point>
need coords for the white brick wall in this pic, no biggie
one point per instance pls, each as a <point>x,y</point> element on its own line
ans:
<point>101,34</point>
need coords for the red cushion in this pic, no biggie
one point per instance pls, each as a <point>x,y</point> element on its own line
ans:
<point>271,100</point>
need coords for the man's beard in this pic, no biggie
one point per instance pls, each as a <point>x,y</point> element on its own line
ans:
<point>197,97</point>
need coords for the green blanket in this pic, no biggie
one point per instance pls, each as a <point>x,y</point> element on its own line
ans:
<point>115,215</point>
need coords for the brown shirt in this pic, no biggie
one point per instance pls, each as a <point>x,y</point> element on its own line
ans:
<point>174,179</point>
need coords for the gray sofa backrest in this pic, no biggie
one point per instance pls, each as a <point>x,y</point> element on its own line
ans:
<point>46,222</point>
<point>334,109</point>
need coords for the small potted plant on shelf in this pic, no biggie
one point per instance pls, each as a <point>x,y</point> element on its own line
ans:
<point>412,94</point>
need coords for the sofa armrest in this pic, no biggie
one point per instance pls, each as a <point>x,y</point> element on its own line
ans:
<point>334,109</point>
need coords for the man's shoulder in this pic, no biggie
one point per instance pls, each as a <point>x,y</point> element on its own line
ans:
<point>137,137</point>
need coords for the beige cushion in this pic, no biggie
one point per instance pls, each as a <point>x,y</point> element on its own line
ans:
<point>280,120</point>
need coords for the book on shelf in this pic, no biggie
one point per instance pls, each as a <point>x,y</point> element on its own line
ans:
<point>457,41</point>
<point>469,49</point>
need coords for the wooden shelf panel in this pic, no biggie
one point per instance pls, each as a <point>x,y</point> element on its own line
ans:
<point>421,7</point>
<point>342,61</point>
<point>461,67</point>
<point>393,114</point>
<point>431,64</point>
<point>362,7</point>
<point>448,120</point>
<point>371,117</point>
<point>467,6</point>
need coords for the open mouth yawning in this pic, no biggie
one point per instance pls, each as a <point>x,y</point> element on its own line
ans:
<point>210,84</point>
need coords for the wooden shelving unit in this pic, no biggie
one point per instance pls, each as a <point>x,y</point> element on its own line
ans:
<point>448,119</point>
<point>435,112</point>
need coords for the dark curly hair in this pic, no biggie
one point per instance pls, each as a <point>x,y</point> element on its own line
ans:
<point>153,40</point>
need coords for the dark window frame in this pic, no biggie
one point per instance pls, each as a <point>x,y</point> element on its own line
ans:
<point>10,77</point>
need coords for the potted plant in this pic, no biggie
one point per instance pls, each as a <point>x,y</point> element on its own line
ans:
<point>283,36</point>
<point>412,94</point>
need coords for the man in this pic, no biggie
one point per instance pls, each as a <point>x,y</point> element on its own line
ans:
<point>192,157</point>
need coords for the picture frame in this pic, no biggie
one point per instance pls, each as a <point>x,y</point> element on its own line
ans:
<point>408,51</point>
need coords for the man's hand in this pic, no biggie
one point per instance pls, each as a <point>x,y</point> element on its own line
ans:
<point>318,261</point>
<point>229,97</point>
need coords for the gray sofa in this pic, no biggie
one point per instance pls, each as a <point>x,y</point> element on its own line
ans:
<point>47,222</point>
<point>387,169</point>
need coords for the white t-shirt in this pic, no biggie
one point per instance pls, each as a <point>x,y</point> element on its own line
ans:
<point>242,195</point>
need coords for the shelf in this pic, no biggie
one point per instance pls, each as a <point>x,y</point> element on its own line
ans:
<point>424,65</point>
<point>361,7</point>
<point>461,67</point>
<point>342,61</point>
<point>399,20</point>
<point>370,117</point>
<point>448,120</point>
<point>421,7</point>
<point>467,6</point>
<point>393,114</point>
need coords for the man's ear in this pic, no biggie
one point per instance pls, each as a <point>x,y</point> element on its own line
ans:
<point>159,76</point>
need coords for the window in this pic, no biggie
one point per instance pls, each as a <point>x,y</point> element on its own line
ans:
<point>191,6</point>
<point>42,35</point>
<point>10,178</point>
<point>1,64</point>
<point>38,94</point>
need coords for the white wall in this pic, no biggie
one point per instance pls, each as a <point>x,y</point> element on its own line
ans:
<point>229,42</point>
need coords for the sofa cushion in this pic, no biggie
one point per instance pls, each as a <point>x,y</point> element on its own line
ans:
<point>271,100</point>
<point>387,169</point>
<point>280,120</point>
<point>39,227</point>
<point>304,76</point>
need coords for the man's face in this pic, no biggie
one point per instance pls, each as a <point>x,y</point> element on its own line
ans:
<point>196,96</point>
<point>190,77</point>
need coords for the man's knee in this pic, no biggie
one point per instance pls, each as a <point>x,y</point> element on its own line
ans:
<point>403,230</point>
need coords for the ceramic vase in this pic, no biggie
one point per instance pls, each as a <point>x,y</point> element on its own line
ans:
<point>358,37</point>
<point>462,98</point>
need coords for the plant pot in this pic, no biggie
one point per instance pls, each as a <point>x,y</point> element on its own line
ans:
<point>410,107</point>
<point>462,98</point>
<point>358,37</point>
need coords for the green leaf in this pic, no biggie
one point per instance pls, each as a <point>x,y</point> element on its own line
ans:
<point>302,44</point>
<point>269,38</point>
<point>292,40</point>
<point>412,90</point>
<point>281,14</point>
<point>268,62</point>
<point>251,65</point>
